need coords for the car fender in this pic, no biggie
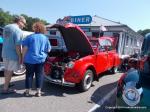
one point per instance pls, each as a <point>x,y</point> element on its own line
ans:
<point>117,60</point>
<point>85,67</point>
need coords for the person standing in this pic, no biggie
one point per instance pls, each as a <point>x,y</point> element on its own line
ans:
<point>35,49</point>
<point>11,51</point>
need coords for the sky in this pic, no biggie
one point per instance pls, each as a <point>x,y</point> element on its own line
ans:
<point>133,13</point>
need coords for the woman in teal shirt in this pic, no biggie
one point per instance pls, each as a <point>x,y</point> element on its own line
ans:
<point>1,39</point>
<point>1,45</point>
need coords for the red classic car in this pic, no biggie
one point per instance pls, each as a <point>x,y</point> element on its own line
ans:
<point>83,59</point>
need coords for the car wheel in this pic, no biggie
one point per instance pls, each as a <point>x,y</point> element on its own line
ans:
<point>20,71</point>
<point>87,81</point>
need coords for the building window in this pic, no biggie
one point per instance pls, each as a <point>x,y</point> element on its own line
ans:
<point>116,34</point>
<point>138,44</point>
<point>135,42</point>
<point>131,43</point>
<point>95,34</point>
<point>127,40</point>
<point>108,33</point>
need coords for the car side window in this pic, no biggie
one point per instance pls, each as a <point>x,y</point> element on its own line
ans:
<point>105,44</point>
<point>93,43</point>
<point>109,45</point>
<point>102,45</point>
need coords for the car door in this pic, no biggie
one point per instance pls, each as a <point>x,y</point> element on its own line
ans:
<point>111,54</point>
<point>102,57</point>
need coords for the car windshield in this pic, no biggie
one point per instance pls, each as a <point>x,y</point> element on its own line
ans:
<point>94,43</point>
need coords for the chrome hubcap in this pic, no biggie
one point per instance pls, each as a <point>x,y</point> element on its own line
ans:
<point>87,81</point>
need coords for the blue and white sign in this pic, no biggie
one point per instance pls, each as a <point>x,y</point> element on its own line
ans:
<point>85,19</point>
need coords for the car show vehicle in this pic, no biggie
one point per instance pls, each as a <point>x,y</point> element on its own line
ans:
<point>81,60</point>
<point>133,88</point>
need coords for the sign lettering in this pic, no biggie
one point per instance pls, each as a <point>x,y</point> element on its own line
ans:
<point>86,19</point>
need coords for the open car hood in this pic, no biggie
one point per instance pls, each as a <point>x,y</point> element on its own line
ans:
<point>74,38</point>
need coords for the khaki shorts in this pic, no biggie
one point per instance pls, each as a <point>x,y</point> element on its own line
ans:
<point>11,65</point>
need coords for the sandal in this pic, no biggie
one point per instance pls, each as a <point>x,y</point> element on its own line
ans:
<point>26,93</point>
<point>38,94</point>
<point>8,91</point>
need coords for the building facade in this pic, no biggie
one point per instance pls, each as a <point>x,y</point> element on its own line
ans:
<point>129,41</point>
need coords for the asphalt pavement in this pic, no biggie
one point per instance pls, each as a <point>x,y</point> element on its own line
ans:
<point>56,98</point>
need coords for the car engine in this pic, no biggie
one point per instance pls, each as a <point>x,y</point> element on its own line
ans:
<point>56,66</point>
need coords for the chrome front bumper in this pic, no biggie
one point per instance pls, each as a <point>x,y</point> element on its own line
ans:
<point>59,82</point>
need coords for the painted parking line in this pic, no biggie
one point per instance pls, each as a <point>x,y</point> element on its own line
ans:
<point>101,102</point>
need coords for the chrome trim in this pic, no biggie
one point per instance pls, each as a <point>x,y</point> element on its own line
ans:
<point>59,82</point>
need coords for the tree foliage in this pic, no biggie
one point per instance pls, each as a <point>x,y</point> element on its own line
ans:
<point>7,18</point>
<point>143,32</point>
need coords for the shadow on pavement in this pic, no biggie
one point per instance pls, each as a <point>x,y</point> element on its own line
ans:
<point>47,90</point>
<point>58,90</point>
<point>100,93</point>
<point>18,85</point>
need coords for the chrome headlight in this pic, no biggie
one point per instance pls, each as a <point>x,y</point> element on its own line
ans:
<point>70,64</point>
<point>131,96</point>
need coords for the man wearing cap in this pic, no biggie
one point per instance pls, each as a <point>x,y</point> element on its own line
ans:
<point>11,51</point>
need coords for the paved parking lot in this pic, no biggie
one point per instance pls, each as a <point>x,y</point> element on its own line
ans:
<point>62,99</point>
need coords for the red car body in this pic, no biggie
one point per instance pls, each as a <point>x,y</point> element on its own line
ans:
<point>84,59</point>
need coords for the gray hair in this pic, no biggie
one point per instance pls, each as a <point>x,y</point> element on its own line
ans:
<point>19,18</point>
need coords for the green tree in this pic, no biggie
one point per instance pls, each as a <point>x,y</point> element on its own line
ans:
<point>7,18</point>
<point>30,21</point>
<point>143,32</point>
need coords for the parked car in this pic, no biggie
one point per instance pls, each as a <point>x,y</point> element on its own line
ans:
<point>57,43</point>
<point>83,59</point>
<point>133,88</point>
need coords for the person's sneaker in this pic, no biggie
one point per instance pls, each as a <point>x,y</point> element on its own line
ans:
<point>38,94</point>
<point>8,91</point>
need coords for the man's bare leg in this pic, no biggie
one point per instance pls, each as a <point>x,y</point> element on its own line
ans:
<point>8,75</point>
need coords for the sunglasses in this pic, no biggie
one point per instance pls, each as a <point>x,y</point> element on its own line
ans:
<point>23,22</point>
